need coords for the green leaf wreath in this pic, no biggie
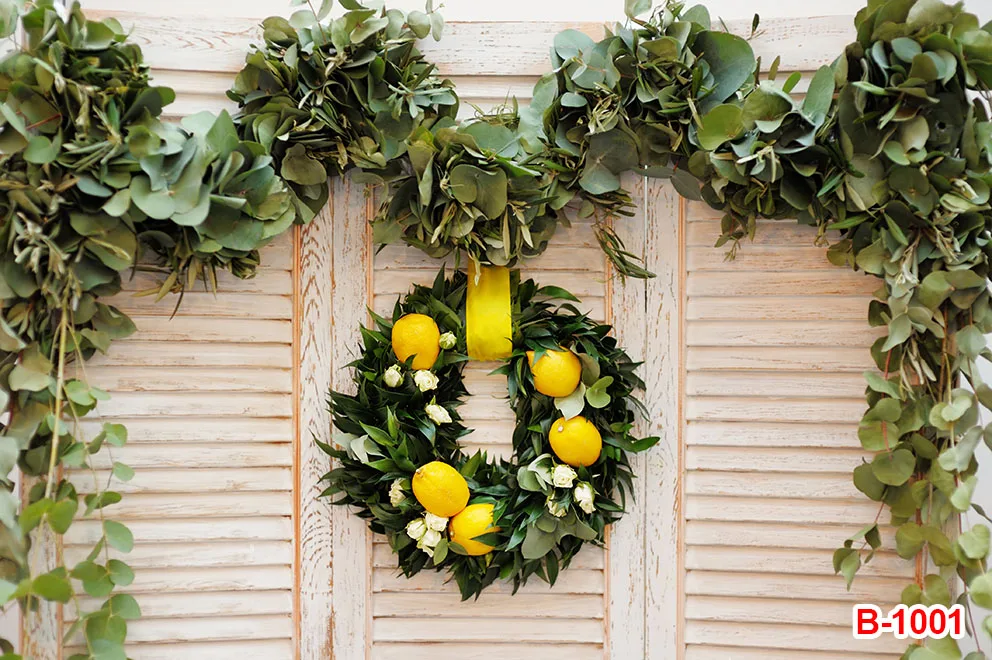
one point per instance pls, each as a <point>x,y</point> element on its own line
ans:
<point>400,418</point>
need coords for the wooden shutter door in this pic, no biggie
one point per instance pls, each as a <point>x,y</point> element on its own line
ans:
<point>209,401</point>
<point>775,343</point>
<point>753,372</point>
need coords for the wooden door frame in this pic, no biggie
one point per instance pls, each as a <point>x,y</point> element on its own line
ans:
<point>332,600</point>
<point>646,548</point>
<point>644,583</point>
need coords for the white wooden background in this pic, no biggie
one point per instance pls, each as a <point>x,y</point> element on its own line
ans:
<point>753,373</point>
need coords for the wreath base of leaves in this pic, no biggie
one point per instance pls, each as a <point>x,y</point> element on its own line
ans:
<point>385,435</point>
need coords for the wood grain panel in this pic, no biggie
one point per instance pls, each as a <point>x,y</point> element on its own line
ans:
<point>773,394</point>
<point>207,396</point>
<point>219,44</point>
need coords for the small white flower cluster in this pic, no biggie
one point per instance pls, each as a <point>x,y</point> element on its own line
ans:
<point>427,531</point>
<point>424,379</point>
<point>584,496</point>
<point>393,377</point>
<point>438,414</point>
<point>396,494</point>
<point>556,508</point>
<point>447,341</point>
<point>562,476</point>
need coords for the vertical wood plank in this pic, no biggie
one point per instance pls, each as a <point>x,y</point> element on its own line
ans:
<point>626,544</point>
<point>351,260</point>
<point>40,631</point>
<point>41,636</point>
<point>663,364</point>
<point>314,516</point>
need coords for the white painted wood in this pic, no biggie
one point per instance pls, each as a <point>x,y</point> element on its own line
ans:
<point>351,541</point>
<point>521,605</point>
<point>314,539</point>
<point>801,536</point>
<point>484,650</point>
<point>628,540</point>
<point>184,531</point>
<point>772,398</point>
<point>41,635</point>
<point>510,10</point>
<point>663,373</point>
<point>228,650</point>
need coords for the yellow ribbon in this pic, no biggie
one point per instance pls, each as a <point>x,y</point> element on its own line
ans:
<point>488,319</point>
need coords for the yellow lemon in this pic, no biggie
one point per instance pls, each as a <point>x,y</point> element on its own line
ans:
<point>440,489</point>
<point>576,441</point>
<point>416,334</point>
<point>557,373</point>
<point>475,520</point>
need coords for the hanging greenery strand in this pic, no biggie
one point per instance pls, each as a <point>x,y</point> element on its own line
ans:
<point>889,149</point>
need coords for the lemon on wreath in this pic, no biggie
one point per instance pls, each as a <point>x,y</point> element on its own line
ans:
<point>473,521</point>
<point>576,441</point>
<point>416,334</point>
<point>557,373</point>
<point>440,489</point>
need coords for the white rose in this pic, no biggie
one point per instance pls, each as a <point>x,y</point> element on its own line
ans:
<point>584,495</point>
<point>393,377</point>
<point>396,494</point>
<point>437,413</point>
<point>447,341</point>
<point>416,529</point>
<point>425,380</point>
<point>426,548</point>
<point>556,509</point>
<point>563,476</point>
<point>431,538</point>
<point>435,523</point>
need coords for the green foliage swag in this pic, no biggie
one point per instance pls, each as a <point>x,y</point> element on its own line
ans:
<point>887,147</point>
<point>386,434</point>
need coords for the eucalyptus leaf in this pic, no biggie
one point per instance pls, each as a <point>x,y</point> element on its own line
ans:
<point>572,405</point>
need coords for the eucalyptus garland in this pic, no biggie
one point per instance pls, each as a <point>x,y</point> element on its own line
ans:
<point>90,180</point>
<point>324,96</point>
<point>404,415</point>
<point>354,92</point>
<point>889,148</point>
<point>629,102</point>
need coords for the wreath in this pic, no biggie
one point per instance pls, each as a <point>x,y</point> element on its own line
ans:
<point>401,466</point>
